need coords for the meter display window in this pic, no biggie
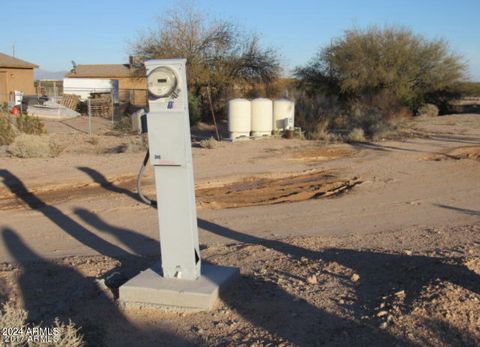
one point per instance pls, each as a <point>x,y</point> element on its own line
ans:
<point>162,82</point>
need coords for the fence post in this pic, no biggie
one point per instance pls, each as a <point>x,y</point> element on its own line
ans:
<point>89,117</point>
<point>113,108</point>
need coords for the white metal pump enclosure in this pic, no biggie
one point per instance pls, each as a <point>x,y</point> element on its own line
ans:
<point>171,156</point>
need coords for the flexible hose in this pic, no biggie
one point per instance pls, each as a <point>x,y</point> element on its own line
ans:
<point>139,182</point>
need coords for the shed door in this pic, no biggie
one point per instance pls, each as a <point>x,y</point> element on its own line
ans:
<point>3,87</point>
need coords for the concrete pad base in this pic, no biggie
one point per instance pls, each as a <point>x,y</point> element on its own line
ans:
<point>149,288</point>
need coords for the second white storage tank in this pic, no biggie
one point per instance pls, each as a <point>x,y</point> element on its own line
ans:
<point>262,116</point>
<point>283,114</point>
<point>239,118</point>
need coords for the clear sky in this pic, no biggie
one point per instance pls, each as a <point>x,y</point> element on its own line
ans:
<point>51,33</point>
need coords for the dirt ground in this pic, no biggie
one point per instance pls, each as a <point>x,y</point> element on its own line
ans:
<point>345,244</point>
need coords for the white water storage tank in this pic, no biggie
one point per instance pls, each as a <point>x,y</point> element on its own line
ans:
<point>262,115</point>
<point>239,118</point>
<point>283,114</point>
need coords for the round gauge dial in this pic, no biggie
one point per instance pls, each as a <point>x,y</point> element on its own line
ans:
<point>162,82</point>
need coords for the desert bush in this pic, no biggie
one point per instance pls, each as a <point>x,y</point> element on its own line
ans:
<point>368,65</point>
<point>325,118</point>
<point>210,143</point>
<point>469,89</point>
<point>93,140</point>
<point>320,132</point>
<point>194,109</point>
<point>371,120</point>
<point>14,317</point>
<point>428,110</point>
<point>137,144</point>
<point>356,135</point>
<point>124,125</point>
<point>55,149</point>
<point>312,111</point>
<point>34,146</point>
<point>30,125</point>
<point>69,336</point>
<point>7,132</point>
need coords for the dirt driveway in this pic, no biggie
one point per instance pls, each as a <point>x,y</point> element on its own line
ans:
<point>62,206</point>
<point>373,244</point>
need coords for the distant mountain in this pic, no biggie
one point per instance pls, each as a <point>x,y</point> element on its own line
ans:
<point>40,74</point>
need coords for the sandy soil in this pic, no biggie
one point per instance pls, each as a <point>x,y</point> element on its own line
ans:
<point>368,243</point>
<point>414,287</point>
<point>79,197</point>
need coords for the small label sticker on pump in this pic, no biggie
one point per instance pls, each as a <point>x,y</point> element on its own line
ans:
<point>170,105</point>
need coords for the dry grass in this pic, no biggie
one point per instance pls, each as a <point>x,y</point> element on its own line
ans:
<point>137,144</point>
<point>66,335</point>
<point>34,146</point>
<point>7,131</point>
<point>321,133</point>
<point>428,110</point>
<point>356,135</point>
<point>210,143</point>
<point>93,140</point>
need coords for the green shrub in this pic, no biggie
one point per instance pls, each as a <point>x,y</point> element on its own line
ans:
<point>210,143</point>
<point>428,110</point>
<point>470,89</point>
<point>30,125</point>
<point>366,63</point>
<point>7,132</point>
<point>34,146</point>
<point>194,108</point>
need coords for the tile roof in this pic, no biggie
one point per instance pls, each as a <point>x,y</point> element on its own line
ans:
<point>102,70</point>
<point>9,61</point>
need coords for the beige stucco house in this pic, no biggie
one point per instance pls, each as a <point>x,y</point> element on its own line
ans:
<point>15,74</point>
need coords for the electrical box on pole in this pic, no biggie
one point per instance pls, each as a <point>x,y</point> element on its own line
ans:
<point>179,280</point>
<point>171,156</point>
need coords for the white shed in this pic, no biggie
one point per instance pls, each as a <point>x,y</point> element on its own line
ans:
<point>83,87</point>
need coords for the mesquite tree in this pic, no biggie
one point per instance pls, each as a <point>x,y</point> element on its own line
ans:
<point>220,56</point>
<point>374,64</point>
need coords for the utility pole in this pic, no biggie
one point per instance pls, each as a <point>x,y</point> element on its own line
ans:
<point>13,50</point>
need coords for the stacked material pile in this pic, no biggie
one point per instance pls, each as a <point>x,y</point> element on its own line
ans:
<point>101,105</point>
<point>71,101</point>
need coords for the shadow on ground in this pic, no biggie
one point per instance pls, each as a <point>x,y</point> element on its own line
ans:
<point>459,209</point>
<point>99,178</point>
<point>264,304</point>
<point>381,274</point>
<point>50,290</point>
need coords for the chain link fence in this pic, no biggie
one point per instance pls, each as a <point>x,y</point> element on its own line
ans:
<point>106,105</point>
